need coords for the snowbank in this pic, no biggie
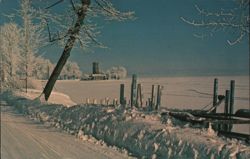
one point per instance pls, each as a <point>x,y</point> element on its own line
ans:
<point>145,135</point>
<point>55,97</point>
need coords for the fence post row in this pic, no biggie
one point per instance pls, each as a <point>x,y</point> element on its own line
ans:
<point>133,90</point>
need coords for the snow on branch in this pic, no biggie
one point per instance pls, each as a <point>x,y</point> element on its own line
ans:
<point>235,19</point>
<point>206,13</point>
<point>212,23</point>
<point>236,40</point>
<point>60,27</point>
<point>107,9</point>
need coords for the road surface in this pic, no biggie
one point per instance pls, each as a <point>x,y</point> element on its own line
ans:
<point>22,138</point>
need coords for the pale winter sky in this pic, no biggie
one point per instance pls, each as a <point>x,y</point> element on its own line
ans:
<point>159,42</point>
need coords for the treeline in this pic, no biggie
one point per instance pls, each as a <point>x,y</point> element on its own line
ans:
<point>20,50</point>
<point>20,45</point>
<point>17,63</point>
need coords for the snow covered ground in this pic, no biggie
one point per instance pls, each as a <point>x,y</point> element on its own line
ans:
<point>25,139</point>
<point>140,133</point>
<point>179,92</point>
<point>55,97</point>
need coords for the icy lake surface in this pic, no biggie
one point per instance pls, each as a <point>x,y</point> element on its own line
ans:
<point>178,92</point>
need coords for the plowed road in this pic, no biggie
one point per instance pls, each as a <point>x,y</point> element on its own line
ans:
<point>22,138</point>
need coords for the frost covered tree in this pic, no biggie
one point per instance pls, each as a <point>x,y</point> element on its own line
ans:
<point>9,53</point>
<point>43,68</point>
<point>234,19</point>
<point>71,70</point>
<point>74,70</point>
<point>32,38</point>
<point>20,46</point>
<point>117,72</point>
<point>79,28</point>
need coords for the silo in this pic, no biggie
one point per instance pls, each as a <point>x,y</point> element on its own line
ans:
<point>96,68</point>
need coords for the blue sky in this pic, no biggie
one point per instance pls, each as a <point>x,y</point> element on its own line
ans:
<point>159,43</point>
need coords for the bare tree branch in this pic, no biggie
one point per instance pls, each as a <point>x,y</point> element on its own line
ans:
<point>54,4</point>
<point>237,40</point>
<point>73,5</point>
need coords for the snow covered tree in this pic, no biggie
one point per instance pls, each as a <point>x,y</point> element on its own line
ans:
<point>43,68</point>
<point>71,70</point>
<point>234,18</point>
<point>117,72</point>
<point>78,29</point>
<point>75,70</point>
<point>32,38</point>
<point>9,52</point>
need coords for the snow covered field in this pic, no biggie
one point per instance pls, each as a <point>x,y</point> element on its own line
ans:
<point>179,92</point>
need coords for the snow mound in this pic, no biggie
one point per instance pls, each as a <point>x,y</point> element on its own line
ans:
<point>55,97</point>
<point>143,134</point>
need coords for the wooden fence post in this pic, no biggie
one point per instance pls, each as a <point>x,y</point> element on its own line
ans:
<point>139,96</point>
<point>133,91</point>
<point>226,109</point>
<point>87,101</point>
<point>158,99</point>
<point>94,101</point>
<point>125,101</point>
<point>149,104</point>
<point>152,97</point>
<point>116,102</point>
<point>215,94</point>
<point>122,98</point>
<point>231,105</point>
<point>107,101</point>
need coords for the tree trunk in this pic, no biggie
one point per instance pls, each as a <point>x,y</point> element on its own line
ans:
<point>67,49</point>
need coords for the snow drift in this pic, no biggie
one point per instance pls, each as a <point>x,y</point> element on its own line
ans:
<point>143,134</point>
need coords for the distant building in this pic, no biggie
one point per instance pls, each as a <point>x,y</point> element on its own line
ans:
<point>98,77</point>
<point>96,74</point>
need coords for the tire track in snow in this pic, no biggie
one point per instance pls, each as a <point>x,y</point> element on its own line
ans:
<point>25,139</point>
